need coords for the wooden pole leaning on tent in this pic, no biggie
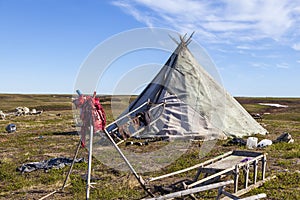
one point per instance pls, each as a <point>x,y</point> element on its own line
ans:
<point>139,178</point>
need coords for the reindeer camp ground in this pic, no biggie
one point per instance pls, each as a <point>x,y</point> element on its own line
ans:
<point>53,134</point>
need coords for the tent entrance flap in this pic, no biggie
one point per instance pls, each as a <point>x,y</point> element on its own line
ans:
<point>136,122</point>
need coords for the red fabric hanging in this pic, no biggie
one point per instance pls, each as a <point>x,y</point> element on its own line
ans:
<point>91,112</point>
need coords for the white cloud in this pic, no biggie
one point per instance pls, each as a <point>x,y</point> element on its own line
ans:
<point>244,47</point>
<point>296,46</point>
<point>282,65</point>
<point>131,10</point>
<point>216,21</point>
<point>260,65</point>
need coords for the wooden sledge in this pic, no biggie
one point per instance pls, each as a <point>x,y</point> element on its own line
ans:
<point>230,163</point>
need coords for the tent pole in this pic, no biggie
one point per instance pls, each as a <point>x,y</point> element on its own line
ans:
<point>88,184</point>
<point>139,178</point>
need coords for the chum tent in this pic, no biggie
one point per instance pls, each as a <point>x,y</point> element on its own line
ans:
<point>183,100</point>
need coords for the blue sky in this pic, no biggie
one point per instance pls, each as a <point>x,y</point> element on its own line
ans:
<point>254,44</point>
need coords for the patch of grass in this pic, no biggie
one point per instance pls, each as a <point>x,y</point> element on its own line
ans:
<point>285,186</point>
<point>284,162</point>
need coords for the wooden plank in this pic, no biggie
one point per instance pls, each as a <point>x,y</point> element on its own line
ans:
<point>227,162</point>
<point>254,197</point>
<point>246,153</point>
<point>210,177</point>
<point>192,191</point>
<point>55,191</point>
<point>233,160</point>
<point>190,168</point>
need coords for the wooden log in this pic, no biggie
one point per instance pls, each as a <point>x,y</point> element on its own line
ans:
<point>192,191</point>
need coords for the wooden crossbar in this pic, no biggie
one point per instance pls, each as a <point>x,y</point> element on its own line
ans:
<point>193,190</point>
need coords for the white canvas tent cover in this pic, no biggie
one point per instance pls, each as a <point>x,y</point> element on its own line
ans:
<point>186,101</point>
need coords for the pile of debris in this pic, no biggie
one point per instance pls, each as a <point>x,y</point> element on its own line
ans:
<point>26,111</point>
<point>20,111</point>
<point>252,142</point>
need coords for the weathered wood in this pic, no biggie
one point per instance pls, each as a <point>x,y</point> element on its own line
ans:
<point>251,187</point>
<point>246,173</point>
<point>254,197</point>
<point>251,161</point>
<point>246,153</point>
<point>236,178</point>
<point>255,171</point>
<point>210,177</point>
<point>192,191</point>
<point>190,168</point>
<point>197,174</point>
<point>231,196</point>
<point>232,160</point>
<point>52,193</point>
<point>229,161</point>
<point>139,178</point>
<point>264,163</point>
<point>220,192</point>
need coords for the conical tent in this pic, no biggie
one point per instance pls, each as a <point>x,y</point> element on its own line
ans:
<point>184,100</point>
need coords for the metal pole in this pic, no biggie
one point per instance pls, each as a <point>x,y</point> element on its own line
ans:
<point>88,185</point>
